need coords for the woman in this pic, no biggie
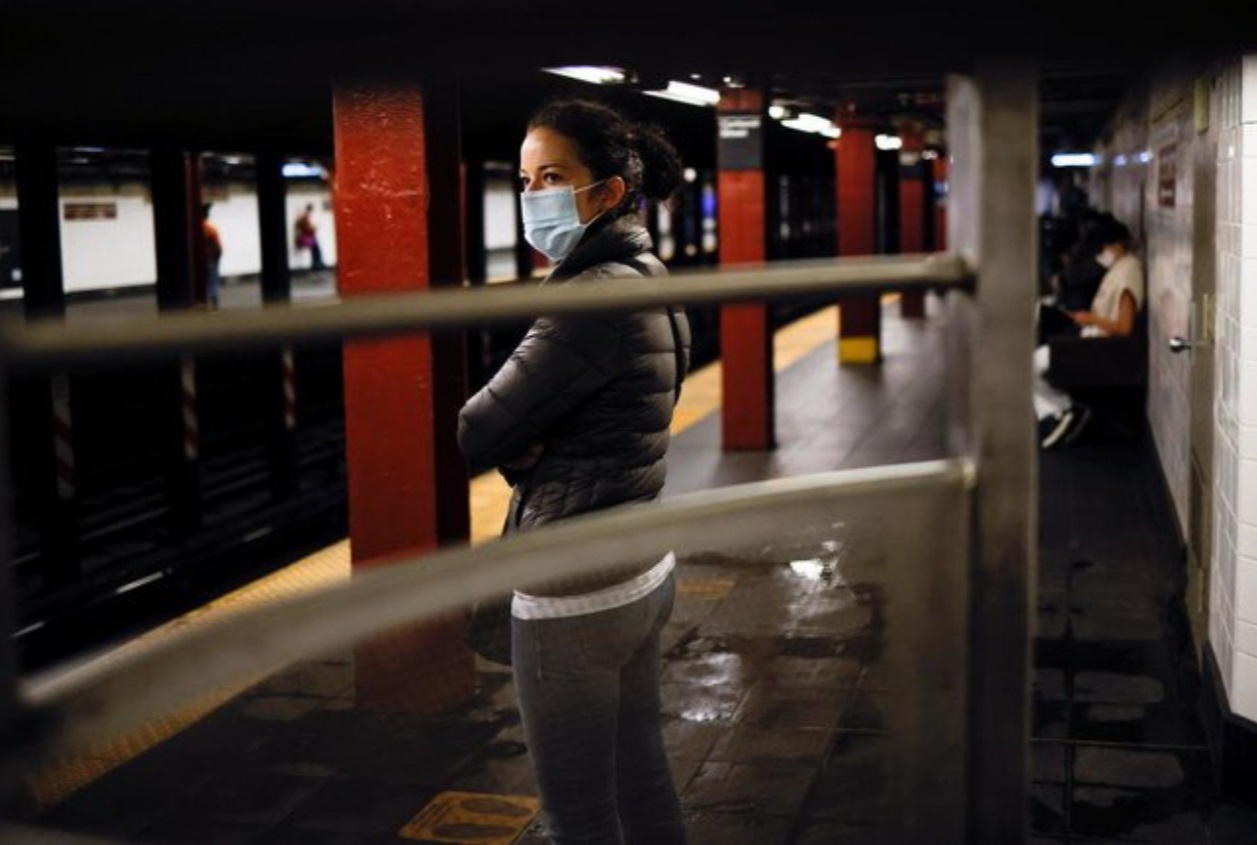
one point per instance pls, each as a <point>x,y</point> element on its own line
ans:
<point>578,421</point>
<point>1113,313</point>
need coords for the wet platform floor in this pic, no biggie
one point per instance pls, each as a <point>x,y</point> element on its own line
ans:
<point>773,690</point>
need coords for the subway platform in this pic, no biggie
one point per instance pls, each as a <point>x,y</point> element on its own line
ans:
<point>774,692</point>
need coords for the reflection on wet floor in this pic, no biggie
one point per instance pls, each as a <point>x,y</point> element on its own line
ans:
<point>1118,753</point>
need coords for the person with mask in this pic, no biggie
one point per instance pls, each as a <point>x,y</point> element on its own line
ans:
<point>578,421</point>
<point>1113,312</point>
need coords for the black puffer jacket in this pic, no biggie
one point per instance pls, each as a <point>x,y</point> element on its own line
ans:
<point>596,391</point>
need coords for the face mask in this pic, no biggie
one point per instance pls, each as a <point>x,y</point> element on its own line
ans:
<point>551,222</point>
<point>1106,258</point>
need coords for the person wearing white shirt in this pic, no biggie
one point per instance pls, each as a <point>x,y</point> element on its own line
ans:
<point>1113,313</point>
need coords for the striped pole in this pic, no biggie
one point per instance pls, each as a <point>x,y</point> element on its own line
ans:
<point>191,435</point>
<point>288,371</point>
<point>63,437</point>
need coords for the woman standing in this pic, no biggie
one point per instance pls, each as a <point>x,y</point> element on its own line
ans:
<point>578,421</point>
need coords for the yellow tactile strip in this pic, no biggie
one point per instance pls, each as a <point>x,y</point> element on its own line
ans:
<point>488,501</point>
<point>472,818</point>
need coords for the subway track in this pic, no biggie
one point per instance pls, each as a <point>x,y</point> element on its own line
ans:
<point>148,533</point>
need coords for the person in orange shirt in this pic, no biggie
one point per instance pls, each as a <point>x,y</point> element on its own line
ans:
<point>213,256</point>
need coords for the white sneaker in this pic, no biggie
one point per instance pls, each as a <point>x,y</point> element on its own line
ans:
<point>1053,429</point>
<point>1079,415</point>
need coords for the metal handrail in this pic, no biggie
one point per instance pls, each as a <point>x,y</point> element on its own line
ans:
<point>53,343</point>
<point>93,702</point>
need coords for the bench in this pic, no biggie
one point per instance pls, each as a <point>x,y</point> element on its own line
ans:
<point>1108,374</point>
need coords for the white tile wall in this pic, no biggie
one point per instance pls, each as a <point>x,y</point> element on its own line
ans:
<point>1247,543</point>
<point>1248,90</point>
<point>1233,582</point>
<point>1236,307</point>
<point>1248,441</point>
<point>1246,589</point>
<point>1244,686</point>
<point>1168,256</point>
<point>1246,637</point>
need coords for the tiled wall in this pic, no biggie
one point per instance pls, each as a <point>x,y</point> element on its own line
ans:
<point>1164,128</point>
<point>1146,182</point>
<point>1168,230</point>
<point>1233,587</point>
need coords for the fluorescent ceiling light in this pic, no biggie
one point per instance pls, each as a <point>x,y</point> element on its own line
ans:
<point>684,92</point>
<point>590,73</point>
<point>1145,156</point>
<point>302,170</point>
<point>808,123</point>
<point>1073,160</point>
<point>813,123</point>
<point>888,142</point>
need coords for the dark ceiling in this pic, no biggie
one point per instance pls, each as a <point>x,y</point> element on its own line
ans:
<point>257,74</point>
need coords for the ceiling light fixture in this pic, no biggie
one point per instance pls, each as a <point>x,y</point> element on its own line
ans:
<point>812,123</point>
<point>888,142</point>
<point>594,74</point>
<point>683,92</point>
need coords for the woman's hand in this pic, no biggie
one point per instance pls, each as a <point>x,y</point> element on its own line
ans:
<point>527,460</point>
<point>1083,318</point>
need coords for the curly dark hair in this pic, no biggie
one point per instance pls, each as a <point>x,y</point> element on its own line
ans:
<point>610,144</point>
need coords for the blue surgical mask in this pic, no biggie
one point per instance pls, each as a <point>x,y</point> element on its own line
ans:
<point>551,222</point>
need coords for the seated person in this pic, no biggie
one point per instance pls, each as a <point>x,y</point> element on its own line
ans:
<point>1112,313</point>
<point>1075,281</point>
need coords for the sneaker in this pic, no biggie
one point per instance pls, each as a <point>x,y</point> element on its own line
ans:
<point>1053,428</point>
<point>1080,415</point>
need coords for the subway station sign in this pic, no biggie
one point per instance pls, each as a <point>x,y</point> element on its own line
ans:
<point>741,144</point>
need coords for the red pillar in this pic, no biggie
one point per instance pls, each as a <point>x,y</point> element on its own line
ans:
<point>746,335</point>
<point>382,233</point>
<point>912,209</point>
<point>860,326</point>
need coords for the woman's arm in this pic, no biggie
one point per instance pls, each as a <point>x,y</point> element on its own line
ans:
<point>558,365</point>
<point>1123,325</point>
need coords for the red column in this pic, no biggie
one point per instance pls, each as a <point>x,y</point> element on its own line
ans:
<point>860,324</point>
<point>746,335</point>
<point>382,235</point>
<point>912,209</point>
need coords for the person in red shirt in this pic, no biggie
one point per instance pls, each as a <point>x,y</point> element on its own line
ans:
<point>213,256</point>
<point>306,237</point>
